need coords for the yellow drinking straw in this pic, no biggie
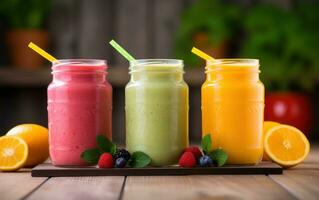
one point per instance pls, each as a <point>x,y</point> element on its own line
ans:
<point>41,52</point>
<point>201,54</point>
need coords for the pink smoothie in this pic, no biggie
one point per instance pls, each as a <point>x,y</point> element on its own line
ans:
<point>79,108</point>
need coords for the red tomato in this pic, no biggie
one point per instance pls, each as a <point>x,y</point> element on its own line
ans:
<point>289,108</point>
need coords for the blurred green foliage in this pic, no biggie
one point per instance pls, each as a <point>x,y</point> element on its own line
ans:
<point>285,40</point>
<point>25,14</point>
<point>212,17</point>
<point>287,44</point>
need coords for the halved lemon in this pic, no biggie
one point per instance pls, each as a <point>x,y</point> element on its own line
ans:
<point>13,153</point>
<point>286,145</point>
<point>266,126</point>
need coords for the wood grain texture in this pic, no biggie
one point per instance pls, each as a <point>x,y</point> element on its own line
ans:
<point>304,184</point>
<point>203,187</point>
<point>167,15</point>
<point>16,185</point>
<point>131,28</point>
<point>80,188</point>
<point>118,76</point>
<point>302,180</point>
<point>314,154</point>
<point>63,28</point>
<point>95,29</point>
<point>25,78</point>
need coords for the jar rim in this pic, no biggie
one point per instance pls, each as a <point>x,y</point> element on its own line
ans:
<point>80,61</point>
<point>156,65</point>
<point>79,65</point>
<point>166,62</point>
<point>233,62</point>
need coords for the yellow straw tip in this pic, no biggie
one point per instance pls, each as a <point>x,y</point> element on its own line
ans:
<point>201,54</point>
<point>41,52</point>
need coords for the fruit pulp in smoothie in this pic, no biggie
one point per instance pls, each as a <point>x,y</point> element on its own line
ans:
<point>156,105</point>
<point>79,107</point>
<point>232,112</point>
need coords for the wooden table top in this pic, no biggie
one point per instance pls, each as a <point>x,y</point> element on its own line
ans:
<point>301,182</point>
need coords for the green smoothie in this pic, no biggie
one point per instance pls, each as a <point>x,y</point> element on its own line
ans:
<point>156,105</point>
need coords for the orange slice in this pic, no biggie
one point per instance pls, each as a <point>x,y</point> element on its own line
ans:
<point>266,126</point>
<point>286,145</point>
<point>13,153</point>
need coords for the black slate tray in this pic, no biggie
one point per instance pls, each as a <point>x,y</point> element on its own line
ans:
<point>48,170</point>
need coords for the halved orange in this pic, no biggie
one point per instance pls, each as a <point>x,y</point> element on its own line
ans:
<point>266,126</point>
<point>13,153</point>
<point>37,138</point>
<point>286,145</point>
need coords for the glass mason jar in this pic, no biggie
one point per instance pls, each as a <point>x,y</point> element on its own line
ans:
<point>233,108</point>
<point>79,108</point>
<point>156,105</point>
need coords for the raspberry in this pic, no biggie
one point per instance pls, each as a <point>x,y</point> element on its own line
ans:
<point>106,161</point>
<point>122,153</point>
<point>195,150</point>
<point>205,161</point>
<point>187,160</point>
<point>120,163</point>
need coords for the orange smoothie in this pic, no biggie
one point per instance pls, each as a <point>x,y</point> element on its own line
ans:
<point>233,108</point>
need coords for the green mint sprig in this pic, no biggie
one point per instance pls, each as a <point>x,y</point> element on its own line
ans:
<point>104,145</point>
<point>139,160</point>
<point>91,156</point>
<point>219,156</point>
<point>206,144</point>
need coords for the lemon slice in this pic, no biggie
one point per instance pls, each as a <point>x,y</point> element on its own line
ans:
<point>13,153</point>
<point>286,145</point>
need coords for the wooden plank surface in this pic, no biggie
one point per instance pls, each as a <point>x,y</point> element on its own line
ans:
<point>16,185</point>
<point>303,184</point>
<point>80,188</point>
<point>203,187</point>
<point>302,180</point>
<point>48,170</point>
<point>314,154</point>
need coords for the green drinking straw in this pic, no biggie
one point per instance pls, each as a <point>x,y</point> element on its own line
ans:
<point>121,50</point>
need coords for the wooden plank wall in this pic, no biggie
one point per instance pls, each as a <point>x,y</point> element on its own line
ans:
<point>82,28</point>
<point>146,28</point>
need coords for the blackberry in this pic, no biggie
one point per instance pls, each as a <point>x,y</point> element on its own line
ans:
<point>205,161</point>
<point>122,153</point>
<point>120,162</point>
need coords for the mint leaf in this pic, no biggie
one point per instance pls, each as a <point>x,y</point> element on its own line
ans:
<point>219,157</point>
<point>139,160</point>
<point>105,144</point>
<point>91,155</point>
<point>206,143</point>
